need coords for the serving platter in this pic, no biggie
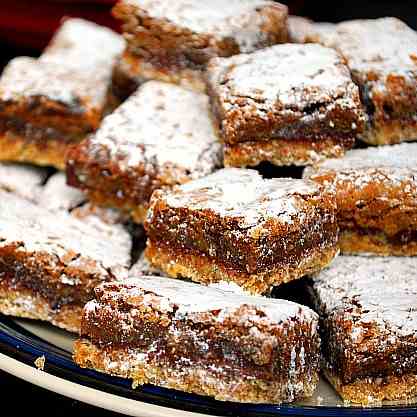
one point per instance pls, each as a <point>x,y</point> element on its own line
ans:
<point>24,341</point>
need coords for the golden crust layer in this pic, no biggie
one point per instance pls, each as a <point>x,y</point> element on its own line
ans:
<point>16,148</point>
<point>377,243</point>
<point>372,391</point>
<point>284,152</point>
<point>200,268</point>
<point>28,304</point>
<point>190,379</point>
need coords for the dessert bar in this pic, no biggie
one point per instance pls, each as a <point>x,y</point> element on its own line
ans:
<point>161,136</point>
<point>50,263</point>
<point>369,327</point>
<point>46,104</point>
<point>173,41</point>
<point>203,340</point>
<point>376,193</point>
<point>235,226</point>
<point>288,104</point>
<point>382,57</point>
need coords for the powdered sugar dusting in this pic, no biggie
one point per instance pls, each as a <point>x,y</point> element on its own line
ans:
<point>236,19</point>
<point>244,194</point>
<point>23,180</point>
<point>75,68</point>
<point>382,292</point>
<point>57,195</point>
<point>383,46</point>
<point>161,124</point>
<point>288,74</point>
<point>403,156</point>
<point>190,298</point>
<point>33,229</point>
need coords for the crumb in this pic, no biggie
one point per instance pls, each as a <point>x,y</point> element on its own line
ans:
<point>40,362</point>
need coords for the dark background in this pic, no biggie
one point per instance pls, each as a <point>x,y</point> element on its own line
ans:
<point>24,28</point>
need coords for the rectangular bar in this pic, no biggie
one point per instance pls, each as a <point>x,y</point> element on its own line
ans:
<point>235,226</point>
<point>161,136</point>
<point>50,262</point>
<point>203,340</point>
<point>376,193</point>
<point>368,326</point>
<point>49,103</point>
<point>287,104</point>
<point>381,55</point>
<point>173,41</point>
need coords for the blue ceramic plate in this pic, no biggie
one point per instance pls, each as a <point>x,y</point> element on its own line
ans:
<point>22,342</point>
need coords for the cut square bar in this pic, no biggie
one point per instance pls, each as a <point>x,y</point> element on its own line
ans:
<point>49,103</point>
<point>288,104</point>
<point>367,308</point>
<point>376,193</point>
<point>235,226</point>
<point>50,261</point>
<point>173,41</point>
<point>382,57</point>
<point>202,340</point>
<point>161,136</point>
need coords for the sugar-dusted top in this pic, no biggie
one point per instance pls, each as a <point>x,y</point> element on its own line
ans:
<point>57,195</point>
<point>25,78</point>
<point>403,156</point>
<point>240,20</point>
<point>290,75</point>
<point>34,229</point>
<point>83,45</point>
<point>23,180</point>
<point>243,194</point>
<point>161,124</point>
<point>382,46</point>
<point>185,298</point>
<point>376,291</point>
<point>75,68</point>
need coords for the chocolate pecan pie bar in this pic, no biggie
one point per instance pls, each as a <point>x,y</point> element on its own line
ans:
<point>376,193</point>
<point>50,263</point>
<point>382,57</point>
<point>161,136</point>
<point>288,104</point>
<point>367,308</point>
<point>203,340</point>
<point>172,41</point>
<point>46,104</point>
<point>235,226</point>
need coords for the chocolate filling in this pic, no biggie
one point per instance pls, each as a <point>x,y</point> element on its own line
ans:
<point>404,237</point>
<point>44,277</point>
<point>37,134</point>
<point>229,348</point>
<point>393,359</point>
<point>213,237</point>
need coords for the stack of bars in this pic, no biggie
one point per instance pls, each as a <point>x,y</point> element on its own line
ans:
<point>157,130</point>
